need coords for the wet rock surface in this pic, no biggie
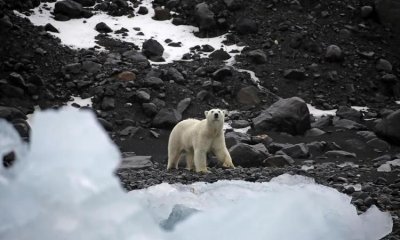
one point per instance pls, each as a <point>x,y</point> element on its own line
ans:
<point>330,55</point>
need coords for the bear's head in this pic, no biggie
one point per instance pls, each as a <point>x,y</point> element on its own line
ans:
<point>216,116</point>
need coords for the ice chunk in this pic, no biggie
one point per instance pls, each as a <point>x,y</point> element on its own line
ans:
<point>62,187</point>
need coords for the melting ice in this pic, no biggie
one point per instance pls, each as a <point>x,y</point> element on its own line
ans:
<point>62,187</point>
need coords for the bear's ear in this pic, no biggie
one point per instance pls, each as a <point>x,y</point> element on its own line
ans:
<point>205,113</point>
<point>225,112</point>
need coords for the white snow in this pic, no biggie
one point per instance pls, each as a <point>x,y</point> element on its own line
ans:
<point>397,102</point>
<point>227,125</point>
<point>387,167</point>
<point>87,102</point>
<point>319,113</point>
<point>62,188</point>
<point>81,33</point>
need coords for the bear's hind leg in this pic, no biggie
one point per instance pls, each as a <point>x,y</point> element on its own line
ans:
<point>190,161</point>
<point>173,159</point>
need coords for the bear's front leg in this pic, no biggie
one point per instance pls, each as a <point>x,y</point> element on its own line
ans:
<point>200,161</point>
<point>222,154</point>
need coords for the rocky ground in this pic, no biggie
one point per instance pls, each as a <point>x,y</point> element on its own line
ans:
<point>332,54</point>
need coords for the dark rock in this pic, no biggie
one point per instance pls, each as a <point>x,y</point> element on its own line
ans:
<point>234,4</point>
<point>69,8</point>
<point>368,135</point>
<point>240,123</point>
<point>296,151</point>
<point>166,118</point>
<point>153,82</point>
<point>103,28</point>
<point>366,11</point>
<point>178,214</point>
<point>384,65</point>
<point>74,68</point>
<point>16,79</point>
<point>204,17</point>
<point>223,72</point>
<point>129,131</point>
<point>220,55</point>
<point>347,124</point>
<point>389,127</point>
<point>334,53</point>
<point>50,28</point>
<point>108,103</point>
<point>389,13</point>
<point>143,10</point>
<point>183,105</point>
<point>340,154</point>
<point>349,113</point>
<point>11,113</point>
<point>174,74</point>
<point>152,48</point>
<point>289,115</point>
<point>142,96</point>
<point>246,25</point>
<point>246,155</point>
<point>233,138</point>
<point>150,109</point>
<point>322,122</point>
<point>316,148</point>
<point>91,67</point>
<point>202,95</point>
<point>248,96</point>
<point>161,14</point>
<point>126,76</point>
<point>295,74</point>
<point>279,161</point>
<point>378,144</point>
<point>86,3</point>
<point>11,91</point>
<point>257,56</point>
<point>135,162</point>
<point>390,79</point>
<point>207,48</point>
<point>5,22</point>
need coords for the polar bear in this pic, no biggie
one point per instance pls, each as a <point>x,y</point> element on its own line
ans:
<point>196,138</point>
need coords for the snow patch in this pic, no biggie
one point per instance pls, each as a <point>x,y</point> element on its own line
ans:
<point>397,102</point>
<point>319,113</point>
<point>87,102</point>
<point>81,33</point>
<point>227,125</point>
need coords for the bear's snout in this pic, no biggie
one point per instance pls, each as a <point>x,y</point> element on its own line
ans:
<point>216,115</point>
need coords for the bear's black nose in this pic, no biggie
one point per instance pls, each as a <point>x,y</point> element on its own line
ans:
<point>215,115</point>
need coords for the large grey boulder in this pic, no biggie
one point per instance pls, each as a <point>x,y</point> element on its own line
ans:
<point>204,16</point>
<point>389,127</point>
<point>167,118</point>
<point>289,115</point>
<point>246,155</point>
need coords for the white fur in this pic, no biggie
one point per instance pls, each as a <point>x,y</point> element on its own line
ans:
<point>196,138</point>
